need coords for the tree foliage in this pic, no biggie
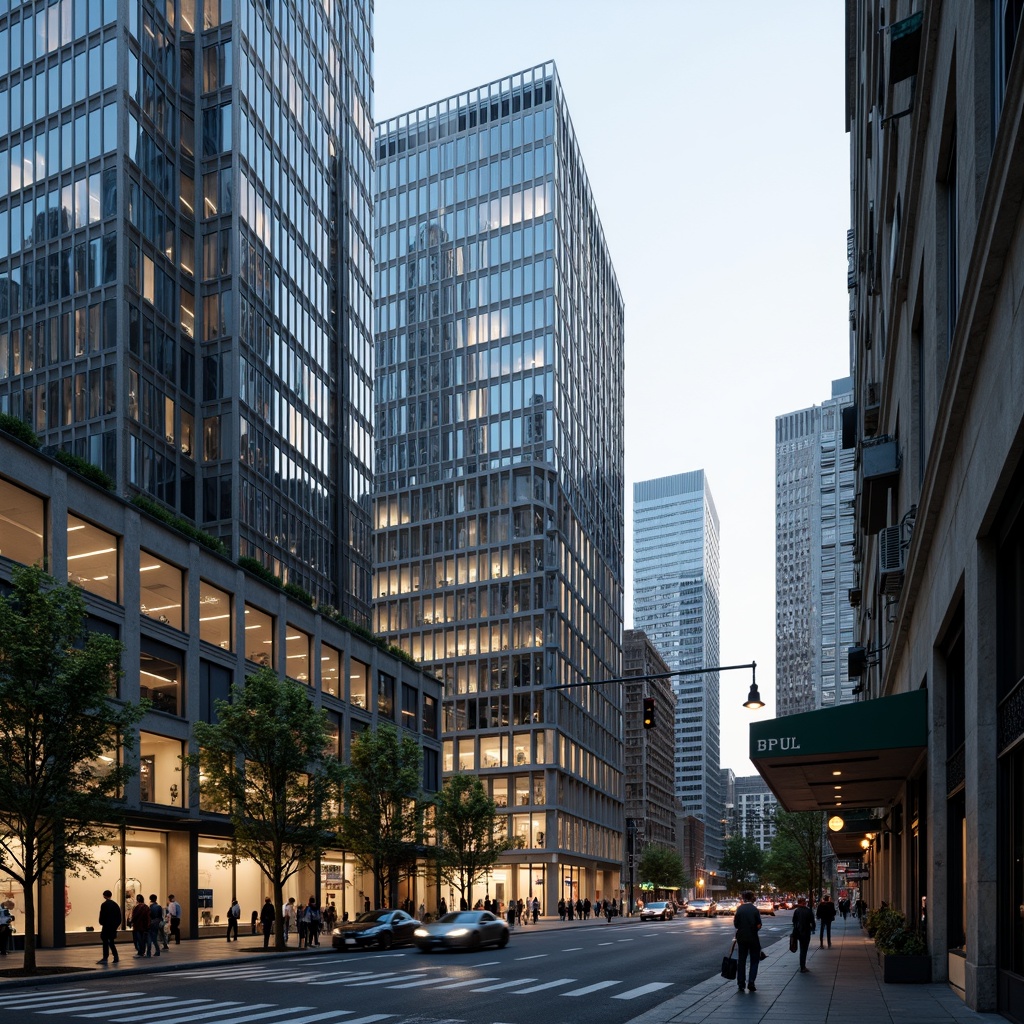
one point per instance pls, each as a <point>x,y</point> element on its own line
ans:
<point>794,860</point>
<point>383,808</point>
<point>663,868</point>
<point>742,858</point>
<point>466,819</point>
<point>61,735</point>
<point>264,764</point>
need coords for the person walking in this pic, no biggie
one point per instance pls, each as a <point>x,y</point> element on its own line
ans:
<point>267,915</point>
<point>310,924</point>
<point>510,915</point>
<point>844,908</point>
<point>536,909</point>
<point>803,926</point>
<point>110,921</point>
<point>6,919</point>
<point>254,920</point>
<point>288,913</point>
<point>173,911</point>
<point>826,914</point>
<point>233,914</point>
<point>156,920</point>
<point>561,910</point>
<point>442,907</point>
<point>747,921</point>
<point>140,924</point>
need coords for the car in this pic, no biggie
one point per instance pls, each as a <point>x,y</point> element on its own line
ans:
<point>658,912</point>
<point>701,908</point>
<point>727,906</point>
<point>462,929</point>
<point>380,928</point>
<point>765,906</point>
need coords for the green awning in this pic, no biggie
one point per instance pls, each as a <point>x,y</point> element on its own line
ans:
<point>850,756</point>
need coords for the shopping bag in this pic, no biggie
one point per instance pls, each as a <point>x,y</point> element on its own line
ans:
<point>793,944</point>
<point>729,968</point>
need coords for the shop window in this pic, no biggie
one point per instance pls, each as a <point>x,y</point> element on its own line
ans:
<point>296,653</point>
<point>359,684</point>
<point>21,513</point>
<point>410,701</point>
<point>160,676</point>
<point>330,670</point>
<point>160,774</point>
<point>429,715</point>
<point>259,636</point>
<point>92,558</point>
<point>161,586</point>
<point>385,695</point>
<point>215,616</point>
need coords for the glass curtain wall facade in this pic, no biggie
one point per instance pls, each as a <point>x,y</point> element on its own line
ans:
<point>676,602</point>
<point>815,484</point>
<point>499,506</point>
<point>185,263</point>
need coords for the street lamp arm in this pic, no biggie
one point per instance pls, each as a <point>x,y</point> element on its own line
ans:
<point>653,675</point>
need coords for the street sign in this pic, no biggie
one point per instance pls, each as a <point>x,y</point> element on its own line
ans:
<point>857,876</point>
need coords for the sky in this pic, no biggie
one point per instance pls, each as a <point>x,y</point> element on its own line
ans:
<point>715,143</point>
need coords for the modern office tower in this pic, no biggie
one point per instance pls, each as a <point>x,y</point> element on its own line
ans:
<point>185,264</point>
<point>676,603</point>
<point>499,487</point>
<point>651,802</point>
<point>754,808</point>
<point>815,483</point>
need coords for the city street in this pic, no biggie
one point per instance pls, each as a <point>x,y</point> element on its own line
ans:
<point>616,972</point>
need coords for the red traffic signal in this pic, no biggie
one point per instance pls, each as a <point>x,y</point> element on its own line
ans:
<point>648,712</point>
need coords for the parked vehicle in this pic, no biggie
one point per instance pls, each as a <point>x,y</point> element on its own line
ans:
<point>380,928</point>
<point>658,912</point>
<point>701,908</point>
<point>462,929</point>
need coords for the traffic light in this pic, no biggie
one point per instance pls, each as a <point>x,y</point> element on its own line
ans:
<point>648,712</point>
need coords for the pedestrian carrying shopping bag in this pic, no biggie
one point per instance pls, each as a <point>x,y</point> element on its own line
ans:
<point>729,965</point>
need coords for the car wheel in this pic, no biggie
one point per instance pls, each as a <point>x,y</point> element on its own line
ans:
<point>384,942</point>
<point>503,941</point>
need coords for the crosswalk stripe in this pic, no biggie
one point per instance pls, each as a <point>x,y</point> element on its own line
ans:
<point>209,1010</point>
<point>587,989</point>
<point>14,1000</point>
<point>435,980</point>
<point>633,993</point>
<point>276,1012</point>
<point>502,984</point>
<point>540,988</point>
<point>371,1018</point>
<point>178,1004</point>
<point>380,979</point>
<point>465,984</point>
<point>330,1014</point>
<point>352,975</point>
<point>91,1003</point>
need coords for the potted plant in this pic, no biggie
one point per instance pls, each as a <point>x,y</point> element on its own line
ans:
<point>902,952</point>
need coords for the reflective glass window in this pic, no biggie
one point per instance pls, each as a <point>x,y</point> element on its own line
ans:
<point>160,774</point>
<point>160,676</point>
<point>215,616</point>
<point>21,521</point>
<point>92,558</point>
<point>330,670</point>
<point>359,683</point>
<point>161,588</point>
<point>259,636</point>
<point>296,652</point>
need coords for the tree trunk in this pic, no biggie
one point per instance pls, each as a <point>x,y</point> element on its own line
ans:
<point>279,942</point>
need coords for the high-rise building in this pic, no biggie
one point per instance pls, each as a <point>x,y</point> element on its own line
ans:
<point>185,264</point>
<point>815,485</point>
<point>754,809</point>
<point>499,487</point>
<point>676,603</point>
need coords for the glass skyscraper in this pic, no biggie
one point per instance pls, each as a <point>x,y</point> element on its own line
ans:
<point>185,263</point>
<point>815,484</point>
<point>499,502</point>
<point>676,603</point>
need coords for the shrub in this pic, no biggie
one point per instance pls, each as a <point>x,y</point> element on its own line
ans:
<point>19,429</point>
<point>84,468</point>
<point>257,568</point>
<point>892,935</point>
<point>157,511</point>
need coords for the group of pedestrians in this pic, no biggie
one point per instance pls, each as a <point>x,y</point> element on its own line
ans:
<point>520,913</point>
<point>584,910</point>
<point>309,922</point>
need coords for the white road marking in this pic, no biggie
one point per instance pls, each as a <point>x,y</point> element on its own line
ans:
<point>503,984</point>
<point>572,949</point>
<point>536,956</point>
<point>464,984</point>
<point>634,993</point>
<point>211,1010</point>
<point>33,999</point>
<point>587,989</point>
<point>93,1002</point>
<point>549,984</point>
<point>178,1004</point>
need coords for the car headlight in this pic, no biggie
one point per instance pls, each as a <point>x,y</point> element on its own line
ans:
<point>457,933</point>
<point>421,933</point>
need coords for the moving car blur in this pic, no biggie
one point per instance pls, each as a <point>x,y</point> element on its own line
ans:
<point>462,929</point>
<point>380,928</point>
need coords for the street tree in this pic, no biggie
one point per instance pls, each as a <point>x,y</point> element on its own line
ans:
<point>796,851</point>
<point>742,858</point>
<point>264,763</point>
<point>663,868</point>
<point>469,836</point>
<point>383,820</point>
<point>64,738</point>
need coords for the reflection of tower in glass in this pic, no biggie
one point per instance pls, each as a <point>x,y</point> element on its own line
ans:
<point>499,464</point>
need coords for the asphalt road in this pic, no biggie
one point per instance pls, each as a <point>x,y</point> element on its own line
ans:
<point>604,974</point>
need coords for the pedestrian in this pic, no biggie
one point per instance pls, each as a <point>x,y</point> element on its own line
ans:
<point>570,909</point>
<point>110,921</point>
<point>861,908</point>
<point>510,915</point>
<point>267,915</point>
<point>442,908</point>
<point>586,909</point>
<point>608,911</point>
<point>421,912</point>
<point>140,924</point>
<point>156,920</point>
<point>254,920</point>
<point>844,908</point>
<point>561,910</point>
<point>826,914</point>
<point>288,913</point>
<point>579,909</point>
<point>233,914</point>
<point>803,926</point>
<point>747,921</point>
<point>520,910</point>
<point>173,911</point>
<point>6,917</point>
<point>311,924</point>
<point>536,909</point>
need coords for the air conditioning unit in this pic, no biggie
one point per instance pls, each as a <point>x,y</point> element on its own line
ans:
<point>891,560</point>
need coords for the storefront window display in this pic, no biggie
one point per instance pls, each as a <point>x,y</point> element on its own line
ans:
<point>160,775</point>
<point>221,878</point>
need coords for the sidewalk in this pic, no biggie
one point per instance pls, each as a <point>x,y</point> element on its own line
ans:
<point>844,987</point>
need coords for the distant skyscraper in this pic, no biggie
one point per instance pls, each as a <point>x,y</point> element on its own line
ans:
<point>676,603</point>
<point>814,559</point>
<point>754,808</point>
<point>185,264</point>
<point>499,506</point>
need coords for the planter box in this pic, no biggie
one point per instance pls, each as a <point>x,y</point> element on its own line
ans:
<point>906,970</point>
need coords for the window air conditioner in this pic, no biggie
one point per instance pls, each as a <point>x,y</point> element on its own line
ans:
<point>891,560</point>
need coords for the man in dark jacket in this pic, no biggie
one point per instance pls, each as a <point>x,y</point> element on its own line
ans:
<point>747,921</point>
<point>803,926</point>
<point>826,914</point>
<point>110,921</point>
<point>267,915</point>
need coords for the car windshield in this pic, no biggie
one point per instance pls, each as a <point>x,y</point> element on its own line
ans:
<point>653,906</point>
<point>369,916</point>
<point>464,917</point>
<point>698,903</point>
